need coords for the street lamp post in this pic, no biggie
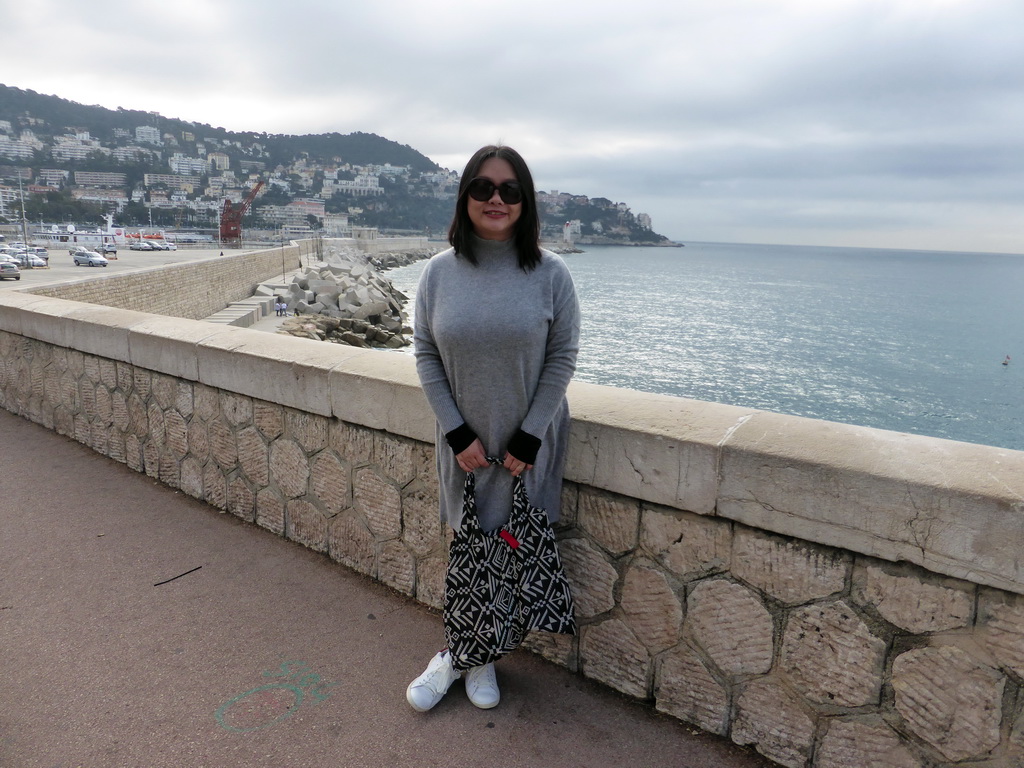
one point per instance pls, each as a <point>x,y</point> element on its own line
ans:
<point>24,224</point>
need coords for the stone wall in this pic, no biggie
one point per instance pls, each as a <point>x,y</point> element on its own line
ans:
<point>834,596</point>
<point>194,289</point>
<point>377,245</point>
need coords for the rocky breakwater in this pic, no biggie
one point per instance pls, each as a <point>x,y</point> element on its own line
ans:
<point>346,300</point>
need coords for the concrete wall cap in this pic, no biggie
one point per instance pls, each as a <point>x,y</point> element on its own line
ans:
<point>395,403</point>
<point>168,344</point>
<point>955,508</point>
<point>274,367</point>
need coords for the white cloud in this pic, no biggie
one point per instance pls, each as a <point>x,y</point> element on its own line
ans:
<point>840,122</point>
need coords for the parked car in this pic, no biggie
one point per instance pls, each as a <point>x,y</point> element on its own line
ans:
<point>158,245</point>
<point>76,249</point>
<point>170,246</point>
<point>29,260</point>
<point>89,259</point>
<point>42,253</point>
<point>108,248</point>
<point>140,245</point>
<point>9,269</point>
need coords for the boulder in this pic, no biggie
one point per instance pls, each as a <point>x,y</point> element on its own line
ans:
<point>370,309</point>
<point>346,299</point>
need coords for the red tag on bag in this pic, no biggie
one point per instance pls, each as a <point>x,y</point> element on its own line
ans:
<point>509,539</point>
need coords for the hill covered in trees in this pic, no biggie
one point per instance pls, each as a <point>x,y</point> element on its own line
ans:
<point>80,161</point>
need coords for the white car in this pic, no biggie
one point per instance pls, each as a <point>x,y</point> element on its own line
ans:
<point>28,260</point>
<point>89,259</point>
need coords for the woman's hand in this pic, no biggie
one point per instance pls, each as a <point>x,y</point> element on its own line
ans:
<point>473,457</point>
<point>514,465</point>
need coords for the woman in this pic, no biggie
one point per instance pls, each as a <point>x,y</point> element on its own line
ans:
<point>497,333</point>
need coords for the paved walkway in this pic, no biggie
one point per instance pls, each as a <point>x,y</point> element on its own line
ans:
<point>140,628</point>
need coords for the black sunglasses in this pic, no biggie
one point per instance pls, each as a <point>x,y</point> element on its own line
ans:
<point>481,189</point>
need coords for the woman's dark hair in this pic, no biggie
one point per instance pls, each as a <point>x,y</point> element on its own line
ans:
<point>527,231</point>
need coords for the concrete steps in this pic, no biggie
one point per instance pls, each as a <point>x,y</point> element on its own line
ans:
<point>245,312</point>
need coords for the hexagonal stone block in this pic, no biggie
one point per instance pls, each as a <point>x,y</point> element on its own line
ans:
<point>653,611</point>
<point>950,700</point>
<point>686,689</point>
<point>609,652</point>
<point>832,656</point>
<point>590,575</point>
<point>733,627</point>
<point>863,742</point>
<point>791,571</point>
<point>774,721</point>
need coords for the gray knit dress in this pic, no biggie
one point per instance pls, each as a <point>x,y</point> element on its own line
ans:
<point>495,349</point>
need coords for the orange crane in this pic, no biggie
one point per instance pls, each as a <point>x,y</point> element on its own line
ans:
<point>231,217</point>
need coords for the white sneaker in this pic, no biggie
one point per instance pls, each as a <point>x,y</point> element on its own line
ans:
<point>482,686</point>
<point>430,687</point>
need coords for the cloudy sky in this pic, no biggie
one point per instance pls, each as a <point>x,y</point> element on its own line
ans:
<point>895,123</point>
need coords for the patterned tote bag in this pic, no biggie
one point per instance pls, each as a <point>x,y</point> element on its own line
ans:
<point>501,585</point>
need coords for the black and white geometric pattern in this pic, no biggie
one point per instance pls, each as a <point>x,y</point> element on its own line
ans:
<point>499,586</point>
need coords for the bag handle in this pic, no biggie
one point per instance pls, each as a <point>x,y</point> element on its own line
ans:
<point>518,483</point>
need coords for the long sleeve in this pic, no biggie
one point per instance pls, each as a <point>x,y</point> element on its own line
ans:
<point>430,366</point>
<point>560,354</point>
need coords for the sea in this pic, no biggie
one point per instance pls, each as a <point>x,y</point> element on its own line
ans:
<point>909,341</point>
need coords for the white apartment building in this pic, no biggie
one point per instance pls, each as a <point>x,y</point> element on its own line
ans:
<point>362,185</point>
<point>336,225</point>
<point>219,160</point>
<point>14,148</point>
<point>75,147</point>
<point>100,179</point>
<point>185,166</point>
<point>133,154</point>
<point>387,170</point>
<point>294,214</point>
<point>148,134</point>
<point>10,202</point>
<point>53,177</point>
<point>174,181</point>
<point>115,197</point>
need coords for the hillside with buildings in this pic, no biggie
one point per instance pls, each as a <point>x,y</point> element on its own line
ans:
<point>73,163</point>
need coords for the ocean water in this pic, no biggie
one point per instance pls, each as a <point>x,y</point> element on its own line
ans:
<point>911,341</point>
